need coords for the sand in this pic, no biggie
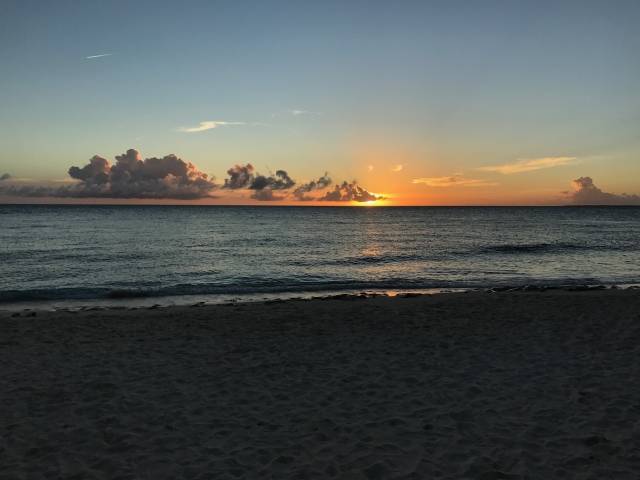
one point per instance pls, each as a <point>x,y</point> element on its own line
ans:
<point>479,385</point>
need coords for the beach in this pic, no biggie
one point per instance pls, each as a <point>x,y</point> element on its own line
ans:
<point>541,384</point>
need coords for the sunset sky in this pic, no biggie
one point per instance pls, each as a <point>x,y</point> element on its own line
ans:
<point>422,103</point>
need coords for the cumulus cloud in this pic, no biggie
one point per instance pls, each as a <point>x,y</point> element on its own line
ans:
<point>207,126</point>
<point>525,165</point>
<point>279,181</point>
<point>396,168</point>
<point>322,182</point>
<point>456,180</point>
<point>349,192</point>
<point>266,195</point>
<point>97,170</point>
<point>587,193</point>
<point>168,177</point>
<point>240,176</point>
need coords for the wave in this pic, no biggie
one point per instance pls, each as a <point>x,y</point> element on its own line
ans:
<point>127,293</point>
<point>188,290</point>
<point>364,259</point>
<point>507,249</point>
<point>535,248</point>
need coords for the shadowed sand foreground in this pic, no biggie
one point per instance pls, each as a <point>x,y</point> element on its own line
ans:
<point>505,385</point>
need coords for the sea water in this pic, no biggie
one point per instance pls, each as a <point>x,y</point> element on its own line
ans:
<point>71,255</point>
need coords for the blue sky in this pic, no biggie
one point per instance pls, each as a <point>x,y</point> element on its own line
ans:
<point>441,88</point>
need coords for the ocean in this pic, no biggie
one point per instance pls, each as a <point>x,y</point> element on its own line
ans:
<point>57,256</point>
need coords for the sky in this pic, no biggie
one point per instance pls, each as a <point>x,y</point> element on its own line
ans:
<point>397,103</point>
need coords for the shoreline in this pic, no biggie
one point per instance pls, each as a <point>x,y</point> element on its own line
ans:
<point>506,385</point>
<point>131,300</point>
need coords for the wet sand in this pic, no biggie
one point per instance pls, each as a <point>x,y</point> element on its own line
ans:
<point>478,385</point>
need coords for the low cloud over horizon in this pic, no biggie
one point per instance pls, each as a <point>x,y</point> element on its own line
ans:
<point>323,182</point>
<point>170,177</point>
<point>349,192</point>
<point>586,193</point>
<point>242,177</point>
<point>130,177</point>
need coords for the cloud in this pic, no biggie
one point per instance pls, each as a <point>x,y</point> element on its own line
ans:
<point>279,181</point>
<point>6,176</point>
<point>349,192</point>
<point>207,126</point>
<point>396,168</point>
<point>524,165</point>
<point>295,113</point>
<point>587,193</point>
<point>239,177</point>
<point>31,191</point>
<point>266,195</point>
<point>322,182</point>
<point>454,180</point>
<point>168,177</point>
<point>97,169</point>
<point>369,168</point>
<point>242,177</point>
<point>98,56</point>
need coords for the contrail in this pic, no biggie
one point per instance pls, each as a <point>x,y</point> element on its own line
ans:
<point>103,55</point>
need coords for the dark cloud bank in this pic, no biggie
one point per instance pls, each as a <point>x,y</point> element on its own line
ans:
<point>130,177</point>
<point>267,188</point>
<point>300,192</point>
<point>170,177</point>
<point>242,177</point>
<point>349,192</point>
<point>588,194</point>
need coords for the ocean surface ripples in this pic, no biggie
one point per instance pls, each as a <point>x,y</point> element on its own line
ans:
<point>92,252</point>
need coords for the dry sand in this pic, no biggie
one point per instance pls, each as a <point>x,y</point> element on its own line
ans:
<point>505,385</point>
